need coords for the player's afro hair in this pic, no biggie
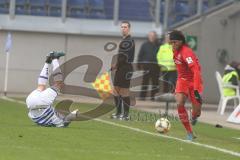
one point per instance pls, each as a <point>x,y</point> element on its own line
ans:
<point>177,35</point>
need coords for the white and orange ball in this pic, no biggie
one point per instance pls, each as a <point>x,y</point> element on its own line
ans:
<point>162,125</point>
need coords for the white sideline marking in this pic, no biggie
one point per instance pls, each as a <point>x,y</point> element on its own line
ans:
<point>238,138</point>
<point>12,100</point>
<point>150,133</point>
<point>170,137</point>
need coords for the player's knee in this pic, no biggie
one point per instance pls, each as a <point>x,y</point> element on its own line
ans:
<point>180,99</point>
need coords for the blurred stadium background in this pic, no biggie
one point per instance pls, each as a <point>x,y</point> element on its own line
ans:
<point>83,27</point>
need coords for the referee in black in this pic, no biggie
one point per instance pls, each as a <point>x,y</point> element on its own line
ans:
<point>123,74</point>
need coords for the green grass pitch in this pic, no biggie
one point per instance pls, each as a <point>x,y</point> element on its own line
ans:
<point>93,140</point>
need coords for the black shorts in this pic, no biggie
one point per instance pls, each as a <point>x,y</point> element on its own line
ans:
<point>123,76</point>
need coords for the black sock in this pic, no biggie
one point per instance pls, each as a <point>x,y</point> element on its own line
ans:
<point>126,105</point>
<point>118,104</point>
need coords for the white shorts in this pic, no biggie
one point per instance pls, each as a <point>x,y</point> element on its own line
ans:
<point>39,99</point>
<point>41,110</point>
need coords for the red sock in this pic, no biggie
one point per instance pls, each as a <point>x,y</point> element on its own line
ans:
<point>184,118</point>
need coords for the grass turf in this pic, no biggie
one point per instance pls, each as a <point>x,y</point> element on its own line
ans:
<point>22,139</point>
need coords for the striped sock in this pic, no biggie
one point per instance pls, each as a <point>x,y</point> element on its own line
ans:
<point>57,73</point>
<point>43,77</point>
<point>55,64</point>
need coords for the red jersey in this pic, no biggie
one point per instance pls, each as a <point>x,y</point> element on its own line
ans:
<point>188,67</point>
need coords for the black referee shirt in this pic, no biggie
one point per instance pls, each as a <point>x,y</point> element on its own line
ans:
<point>126,50</point>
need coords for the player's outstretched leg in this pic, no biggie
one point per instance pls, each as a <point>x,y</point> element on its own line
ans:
<point>183,115</point>
<point>56,73</point>
<point>32,99</point>
<point>43,77</point>
<point>70,117</point>
<point>58,82</point>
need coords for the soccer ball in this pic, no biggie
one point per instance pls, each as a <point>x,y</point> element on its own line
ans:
<point>162,125</point>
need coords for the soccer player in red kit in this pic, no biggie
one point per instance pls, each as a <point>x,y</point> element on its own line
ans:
<point>189,81</point>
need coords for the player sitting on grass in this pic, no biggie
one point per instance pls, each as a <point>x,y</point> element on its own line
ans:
<point>40,101</point>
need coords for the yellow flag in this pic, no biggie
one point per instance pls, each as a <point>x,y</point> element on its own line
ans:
<point>103,85</point>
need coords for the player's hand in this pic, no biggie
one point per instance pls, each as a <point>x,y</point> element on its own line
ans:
<point>198,96</point>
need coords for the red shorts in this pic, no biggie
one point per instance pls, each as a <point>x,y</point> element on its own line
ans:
<point>186,87</point>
